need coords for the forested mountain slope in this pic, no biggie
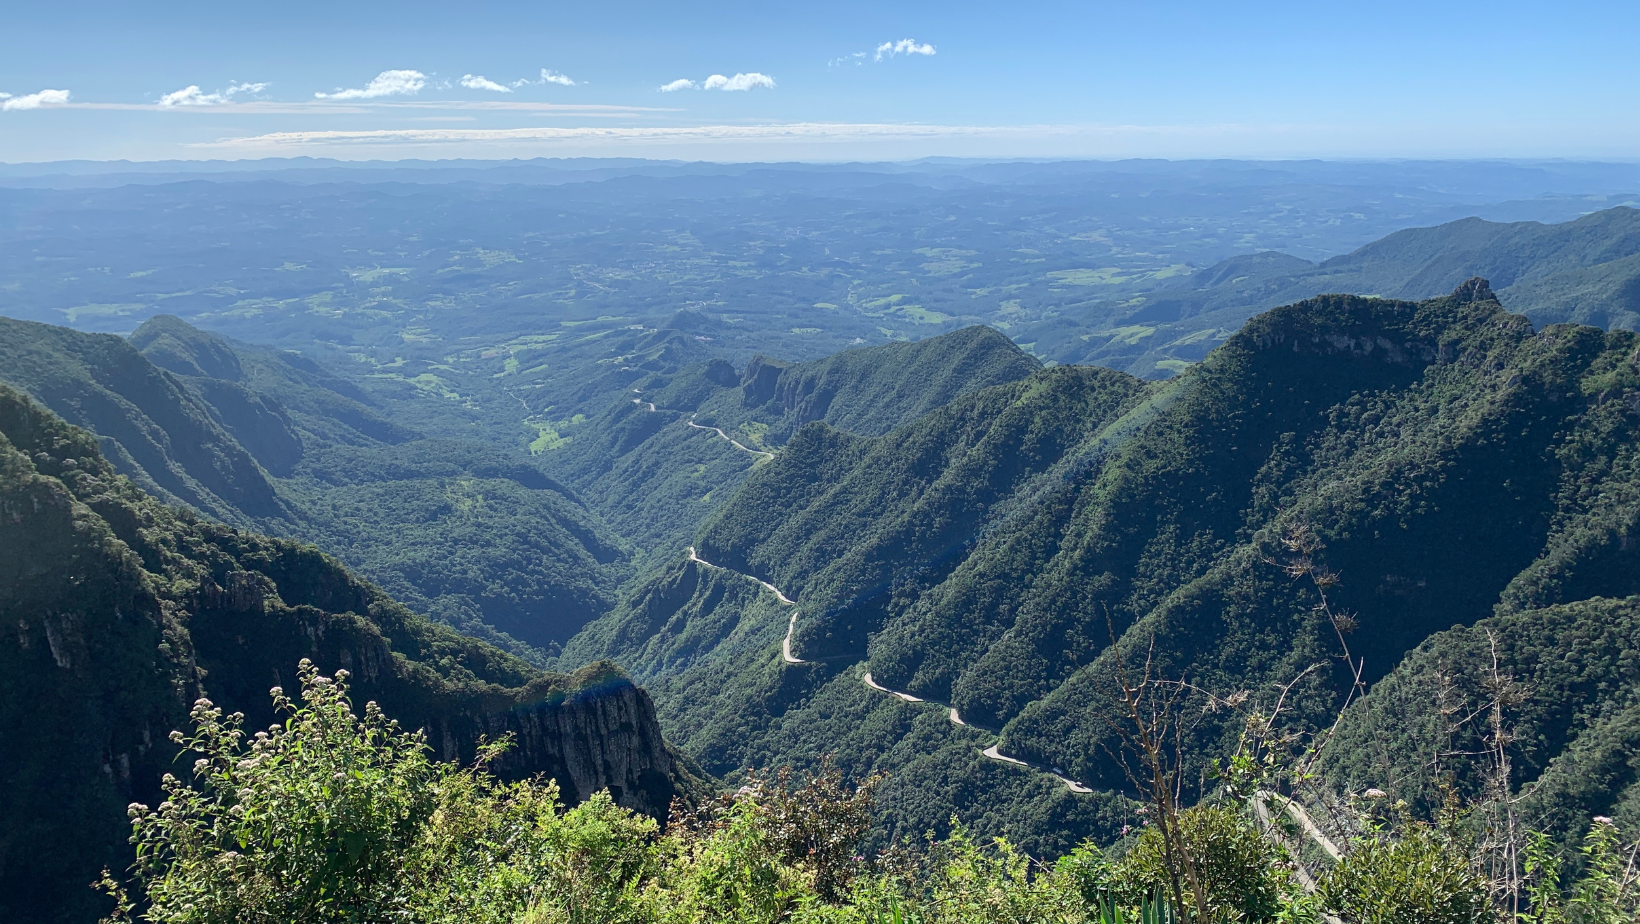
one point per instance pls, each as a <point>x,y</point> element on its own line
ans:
<point>157,432</point>
<point>117,611</point>
<point>1584,271</point>
<point>672,449</point>
<point>868,391</point>
<point>466,531</point>
<point>1450,462</point>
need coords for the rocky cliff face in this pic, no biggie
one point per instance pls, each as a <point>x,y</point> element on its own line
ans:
<point>602,734</point>
<point>117,611</point>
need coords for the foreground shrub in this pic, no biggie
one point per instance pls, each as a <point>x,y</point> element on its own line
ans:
<point>1607,892</point>
<point>331,816</point>
<point>1420,876</point>
<point>1243,876</point>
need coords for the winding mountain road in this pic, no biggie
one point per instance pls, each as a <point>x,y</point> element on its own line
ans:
<point>951,712</point>
<point>791,626</point>
<point>786,643</point>
<point>992,752</point>
<point>732,440</point>
<point>691,422</point>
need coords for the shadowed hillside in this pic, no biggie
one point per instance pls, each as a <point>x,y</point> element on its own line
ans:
<point>118,611</point>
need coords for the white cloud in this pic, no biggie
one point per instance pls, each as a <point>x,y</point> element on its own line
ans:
<point>192,96</point>
<point>387,83</point>
<point>903,47</point>
<point>739,81</point>
<point>478,82</point>
<point>547,76</point>
<point>35,100</point>
<point>679,84</point>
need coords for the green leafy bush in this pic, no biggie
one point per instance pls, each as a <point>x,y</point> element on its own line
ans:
<point>1608,891</point>
<point>1243,876</point>
<point>1421,876</point>
<point>335,816</point>
<point>330,816</point>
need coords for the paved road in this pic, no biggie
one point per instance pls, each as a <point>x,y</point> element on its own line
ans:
<point>736,443</point>
<point>992,751</point>
<point>786,643</point>
<point>951,711</point>
<point>732,440</point>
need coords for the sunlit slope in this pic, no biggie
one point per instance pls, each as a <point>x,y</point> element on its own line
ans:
<point>1450,461</point>
<point>1583,271</point>
<point>850,522</point>
<point>655,465</point>
<point>153,428</point>
<point>1466,451</point>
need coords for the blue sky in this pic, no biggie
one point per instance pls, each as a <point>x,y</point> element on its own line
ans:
<point>807,81</point>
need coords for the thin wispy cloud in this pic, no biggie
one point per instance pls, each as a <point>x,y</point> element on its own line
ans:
<point>547,76</point>
<point>38,100</point>
<point>192,96</point>
<point>479,82</point>
<point>799,131</point>
<point>903,47</point>
<point>361,107</point>
<point>885,50</point>
<point>387,83</point>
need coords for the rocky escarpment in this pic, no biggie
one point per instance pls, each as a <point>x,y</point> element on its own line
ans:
<point>117,612</point>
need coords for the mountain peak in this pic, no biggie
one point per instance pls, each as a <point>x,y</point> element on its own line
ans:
<point>1474,290</point>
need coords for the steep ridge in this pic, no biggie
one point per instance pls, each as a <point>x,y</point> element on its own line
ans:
<point>152,428</point>
<point>471,534</point>
<point>873,390</point>
<point>1573,697</point>
<point>117,611</point>
<point>691,627</point>
<point>1450,462</point>
<point>1432,496</point>
<point>267,398</point>
<point>660,460</point>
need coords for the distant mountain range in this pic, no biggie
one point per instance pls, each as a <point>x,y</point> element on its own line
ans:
<point>1585,271</point>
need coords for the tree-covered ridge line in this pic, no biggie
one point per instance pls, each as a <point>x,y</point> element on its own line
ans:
<point>1579,271</point>
<point>1449,459</point>
<point>119,611</point>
